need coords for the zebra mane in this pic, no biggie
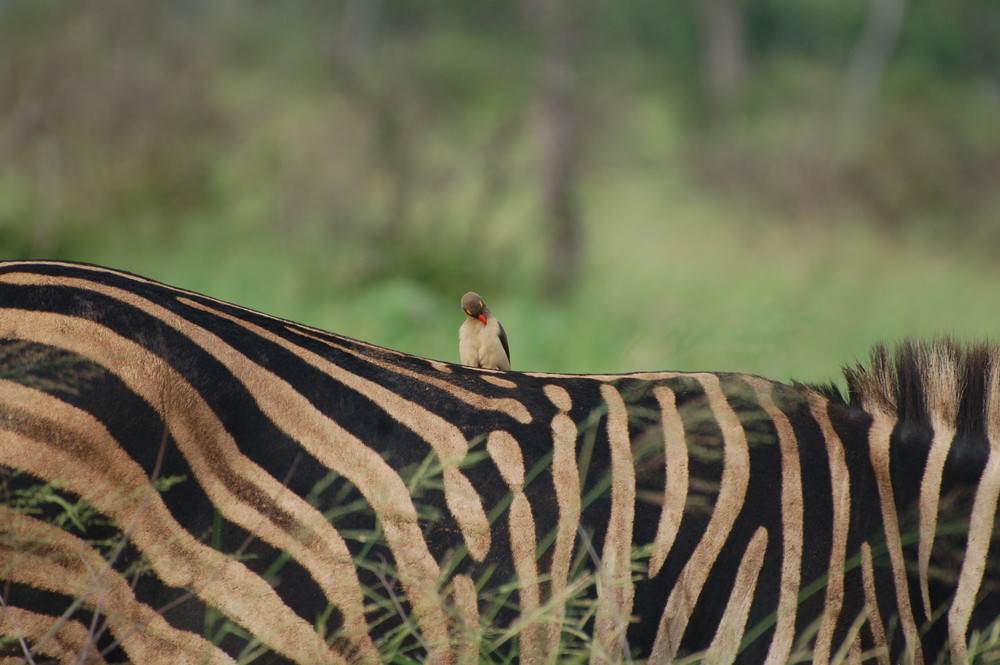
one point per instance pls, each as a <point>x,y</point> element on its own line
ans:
<point>922,381</point>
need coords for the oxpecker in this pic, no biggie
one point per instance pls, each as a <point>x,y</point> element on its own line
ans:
<point>482,341</point>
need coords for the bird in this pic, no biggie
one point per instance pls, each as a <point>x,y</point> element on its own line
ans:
<point>482,341</point>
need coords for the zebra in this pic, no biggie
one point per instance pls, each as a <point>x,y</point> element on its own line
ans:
<point>189,481</point>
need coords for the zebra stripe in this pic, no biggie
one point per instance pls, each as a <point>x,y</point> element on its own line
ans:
<point>685,593</point>
<point>69,641</point>
<point>506,454</point>
<point>56,560</point>
<point>615,576</point>
<point>725,645</point>
<point>566,480</point>
<point>338,501</point>
<point>981,526</point>
<point>675,459</point>
<point>841,505</point>
<point>872,613</point>
<point>878,449</point>
<point>792,526</point>
<point>243,492</point>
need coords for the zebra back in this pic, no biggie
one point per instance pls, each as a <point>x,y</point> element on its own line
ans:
<point>186,480</point>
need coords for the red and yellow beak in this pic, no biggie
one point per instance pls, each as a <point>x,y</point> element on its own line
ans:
<point>480,316</point>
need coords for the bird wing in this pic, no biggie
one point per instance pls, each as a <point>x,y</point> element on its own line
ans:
<point>503,340</point>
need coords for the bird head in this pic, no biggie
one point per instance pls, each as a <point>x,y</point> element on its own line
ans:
<point>473,305</point>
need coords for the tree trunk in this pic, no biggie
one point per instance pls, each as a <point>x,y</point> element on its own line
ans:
<point>869,62</point>
<point>557,25</point>
<point>724,58</point>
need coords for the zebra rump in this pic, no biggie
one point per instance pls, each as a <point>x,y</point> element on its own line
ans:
<point>188,481</point>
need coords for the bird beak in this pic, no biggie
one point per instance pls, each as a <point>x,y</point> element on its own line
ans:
<point>482,317</point>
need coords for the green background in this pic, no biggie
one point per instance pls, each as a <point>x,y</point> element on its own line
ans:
<point>358,166</point>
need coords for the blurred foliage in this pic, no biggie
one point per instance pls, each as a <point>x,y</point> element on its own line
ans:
<point>359,165</point>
